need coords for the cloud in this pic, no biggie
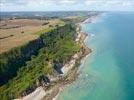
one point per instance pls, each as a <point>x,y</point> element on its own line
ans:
<point>39,2</point>
<point>67,1</point>
<point>110,4</point>
<point>93,2</point>
<point>67,4</point>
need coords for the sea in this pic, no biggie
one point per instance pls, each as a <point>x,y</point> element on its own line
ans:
<point>108,72</point>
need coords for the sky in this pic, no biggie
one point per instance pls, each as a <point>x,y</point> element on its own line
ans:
<point>66,5</point>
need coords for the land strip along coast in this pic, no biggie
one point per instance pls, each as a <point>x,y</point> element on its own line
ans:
<point>48,86</point>
<point>70,72</point>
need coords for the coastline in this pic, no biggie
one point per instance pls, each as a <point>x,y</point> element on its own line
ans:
<point>73,73</point>
<point>70,72</point>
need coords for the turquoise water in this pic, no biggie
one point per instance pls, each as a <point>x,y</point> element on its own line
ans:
<point>108,73</point>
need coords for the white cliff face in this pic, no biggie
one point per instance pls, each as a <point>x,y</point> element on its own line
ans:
<point>65,69</point>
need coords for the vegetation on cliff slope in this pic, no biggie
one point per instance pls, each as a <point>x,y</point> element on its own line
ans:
<point>59,46</point>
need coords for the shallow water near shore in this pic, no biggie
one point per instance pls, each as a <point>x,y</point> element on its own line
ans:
<point>107,74</point>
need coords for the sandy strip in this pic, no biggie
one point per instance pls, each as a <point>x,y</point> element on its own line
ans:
<point>38,94</point>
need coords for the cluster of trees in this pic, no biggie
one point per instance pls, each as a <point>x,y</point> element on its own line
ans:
<point>58,47</point>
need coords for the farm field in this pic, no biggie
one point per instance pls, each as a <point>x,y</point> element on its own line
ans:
<point>17,32</point>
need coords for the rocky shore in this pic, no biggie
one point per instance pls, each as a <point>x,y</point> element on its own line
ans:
<point>73,73</point>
